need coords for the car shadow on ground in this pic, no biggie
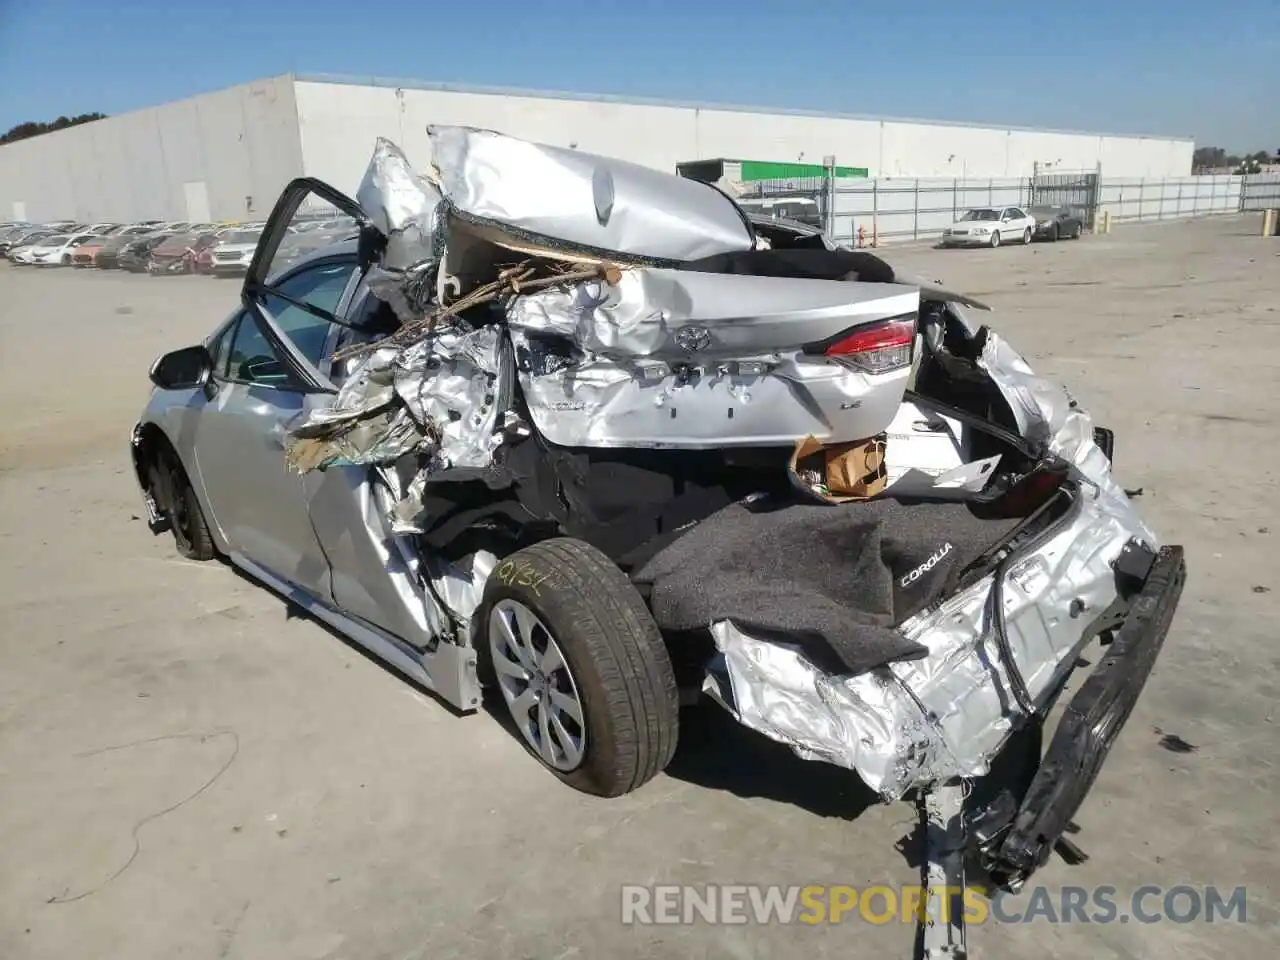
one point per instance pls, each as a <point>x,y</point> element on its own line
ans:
<point>716,752</point>
<point>294,611</point>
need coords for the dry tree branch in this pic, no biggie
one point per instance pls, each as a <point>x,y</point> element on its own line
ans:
<point>517,279</point>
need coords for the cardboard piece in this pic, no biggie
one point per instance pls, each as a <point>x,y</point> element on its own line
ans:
<point>840,472</point>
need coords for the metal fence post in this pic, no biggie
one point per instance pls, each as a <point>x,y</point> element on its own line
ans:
<point>915,224</point>
<point>875,212</point>
<point>829,186</point>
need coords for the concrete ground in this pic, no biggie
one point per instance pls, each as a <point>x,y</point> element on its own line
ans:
<point>188,771</point>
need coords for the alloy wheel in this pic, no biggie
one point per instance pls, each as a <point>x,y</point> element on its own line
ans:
<point>537,684</point>
<point>995,239</point>
<point>1026,235</point>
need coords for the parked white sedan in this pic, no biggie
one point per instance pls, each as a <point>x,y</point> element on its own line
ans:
<point>990,227</point>
<point>55,250</point>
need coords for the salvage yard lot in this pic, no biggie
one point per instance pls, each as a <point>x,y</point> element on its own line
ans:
<point>188,769</point>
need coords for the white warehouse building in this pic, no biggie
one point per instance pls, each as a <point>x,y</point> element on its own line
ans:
<point>226,155</point>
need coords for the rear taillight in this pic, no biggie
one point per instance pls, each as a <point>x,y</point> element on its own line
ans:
<point>876,347</point>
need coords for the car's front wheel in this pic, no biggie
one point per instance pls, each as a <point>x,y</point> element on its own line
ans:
<point>1075,233</point>
<point>1026,235</point>
<point>170,484</point>
<point>581,666</point>
<point>995,238</point>
<point>66,259</point>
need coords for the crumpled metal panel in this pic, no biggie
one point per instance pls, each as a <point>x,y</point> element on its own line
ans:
<point>436,396</point>
<point>400,559</point>
<point>947,715</point>
<point>449,384</point>
<point>403,205</point>
<point>583,200</point>
<point>460,586</point>
<point>676,359</point>
<point>1046,413</point>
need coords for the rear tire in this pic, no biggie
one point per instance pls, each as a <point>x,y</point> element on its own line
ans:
<point>565,632</point>
<point>995,239</point>
<point>1075,234</point>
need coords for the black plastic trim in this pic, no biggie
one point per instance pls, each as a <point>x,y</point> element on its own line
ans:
<point>1092,721</point>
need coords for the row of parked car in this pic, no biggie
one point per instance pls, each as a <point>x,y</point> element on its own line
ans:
<point>158,247</point>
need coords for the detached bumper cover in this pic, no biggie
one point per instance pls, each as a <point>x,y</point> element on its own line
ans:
<point>1091,723</point>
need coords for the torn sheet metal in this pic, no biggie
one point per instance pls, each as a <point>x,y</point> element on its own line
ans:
<point>570,197</point>
<point>449,384</point>
<point>460,586</point>
<point>677,359</point>
<point>948,714</point>
<point>1046,413</point>
<point>403,205</point>
<point>436,397</point>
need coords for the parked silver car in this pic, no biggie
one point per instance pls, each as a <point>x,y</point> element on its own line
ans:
<point>601,452</point>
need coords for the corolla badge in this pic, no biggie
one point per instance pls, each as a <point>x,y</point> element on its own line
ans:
<point>693,338</point>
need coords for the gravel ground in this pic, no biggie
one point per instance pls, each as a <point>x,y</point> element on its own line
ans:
<point>186,769</point>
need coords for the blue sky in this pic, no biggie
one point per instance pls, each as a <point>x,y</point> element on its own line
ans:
<point>1166,67</point>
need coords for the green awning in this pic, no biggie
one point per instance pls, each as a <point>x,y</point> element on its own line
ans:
<point>766,170</point>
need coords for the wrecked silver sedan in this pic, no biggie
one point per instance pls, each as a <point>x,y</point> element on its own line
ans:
<point>586,434</point>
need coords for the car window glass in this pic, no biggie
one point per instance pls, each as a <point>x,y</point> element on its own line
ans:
<point>320,286</point>
<point>1016,213</point>
<point>254,359</point>
<point>220,349</point>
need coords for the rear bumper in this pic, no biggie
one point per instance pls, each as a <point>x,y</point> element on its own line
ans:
<point>1089,727</point>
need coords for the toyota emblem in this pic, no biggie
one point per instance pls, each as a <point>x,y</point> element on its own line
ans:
<point>693,338</point>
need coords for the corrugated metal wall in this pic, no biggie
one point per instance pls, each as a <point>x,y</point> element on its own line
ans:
<point>340,119</point>
<point>223,155</point>
<point>227,154</point>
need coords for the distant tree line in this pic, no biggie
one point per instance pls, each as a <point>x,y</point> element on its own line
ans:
<point>1216,158</point>
<point>29,129</point>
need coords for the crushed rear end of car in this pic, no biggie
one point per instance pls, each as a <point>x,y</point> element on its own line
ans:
<point>864,525</point>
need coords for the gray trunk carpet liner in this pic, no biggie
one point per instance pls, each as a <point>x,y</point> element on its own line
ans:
<point>832,579</point>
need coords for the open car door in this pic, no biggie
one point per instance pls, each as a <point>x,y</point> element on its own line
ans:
<point>304,284</point>
<point>310,218</point>
<point>268,376</point>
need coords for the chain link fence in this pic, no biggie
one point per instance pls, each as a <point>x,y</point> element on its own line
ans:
<point>886,210</point>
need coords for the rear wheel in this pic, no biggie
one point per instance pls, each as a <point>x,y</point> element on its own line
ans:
<point>995,239</point>
<point>1075,234</point>
<point>581,666</point>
